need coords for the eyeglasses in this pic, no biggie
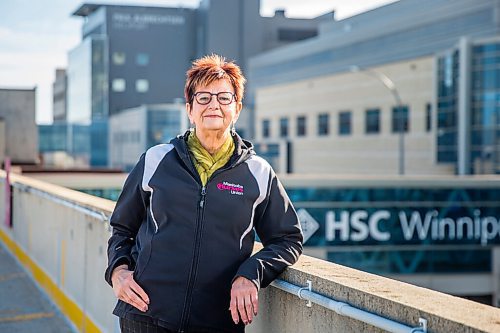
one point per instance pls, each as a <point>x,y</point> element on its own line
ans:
<point>223,97</point>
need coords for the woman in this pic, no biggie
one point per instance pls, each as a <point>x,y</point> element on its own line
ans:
<point>180,253</point>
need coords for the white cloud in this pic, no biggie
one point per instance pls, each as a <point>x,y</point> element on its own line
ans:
<point>4,33</point>
<point>165,3</point>
<point>13,41</point>
<point>313,8</point>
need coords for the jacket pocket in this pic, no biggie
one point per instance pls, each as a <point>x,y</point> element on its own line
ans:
<point>143,257</point>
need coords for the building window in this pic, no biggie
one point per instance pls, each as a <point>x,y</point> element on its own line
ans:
<point>118,85</point>
<point>266,128</point>
<point>142,85</point>
<point>484,109</point>
<point>142,59</point>
<point>447,107</point>
<point>428,117</point>
<point>292,35</point>
<point>345,123</point>
<point>283,127</point>
<point>301,126</point>
<point>119,58</point>
<point>400,121</point>
<point>323,127</point>
<point>372,121</point>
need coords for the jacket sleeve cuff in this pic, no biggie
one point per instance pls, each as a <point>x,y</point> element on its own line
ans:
<point>254,281</point>
<point>123,260</point>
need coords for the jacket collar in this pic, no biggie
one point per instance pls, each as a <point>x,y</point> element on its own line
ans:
<point>243,149</point>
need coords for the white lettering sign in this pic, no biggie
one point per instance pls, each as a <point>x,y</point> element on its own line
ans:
<point>361,226</point>
<point>358,226</point>
<point>308,224</point>
<point>141,21</point>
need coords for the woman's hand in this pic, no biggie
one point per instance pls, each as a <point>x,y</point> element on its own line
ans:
<point>244,300</point>
<point>126,289</point>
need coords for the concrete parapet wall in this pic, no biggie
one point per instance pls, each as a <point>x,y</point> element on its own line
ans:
<point>59,236</point>
<point>395,300</point>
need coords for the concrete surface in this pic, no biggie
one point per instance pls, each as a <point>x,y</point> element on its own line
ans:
<point>23,307</point>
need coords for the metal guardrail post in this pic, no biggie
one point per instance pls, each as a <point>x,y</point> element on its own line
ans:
<point>347,310</point>
<point>8,194</point>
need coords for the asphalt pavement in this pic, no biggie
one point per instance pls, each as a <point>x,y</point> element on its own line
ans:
<point>23,307</point>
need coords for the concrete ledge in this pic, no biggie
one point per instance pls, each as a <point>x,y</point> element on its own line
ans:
<point>399,301</point>
<point>82,180</point>
<point>73,196</point>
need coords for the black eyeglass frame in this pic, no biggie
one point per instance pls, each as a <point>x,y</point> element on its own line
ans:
<point>233,97</point>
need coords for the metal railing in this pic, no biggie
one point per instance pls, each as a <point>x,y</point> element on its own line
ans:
<point>347,310</point>
<point>99,215</point>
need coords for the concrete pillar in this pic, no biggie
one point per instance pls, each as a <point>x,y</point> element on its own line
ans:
<point>2,141</point>
<point>496,15</point>
<point>464,114</point>
<point>495,272</point>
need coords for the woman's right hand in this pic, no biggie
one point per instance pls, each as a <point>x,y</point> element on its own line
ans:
<point>127,290</point>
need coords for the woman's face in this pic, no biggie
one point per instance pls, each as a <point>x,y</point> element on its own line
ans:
<point>214,116</point>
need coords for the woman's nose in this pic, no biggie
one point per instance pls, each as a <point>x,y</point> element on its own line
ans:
<point>214,102</point>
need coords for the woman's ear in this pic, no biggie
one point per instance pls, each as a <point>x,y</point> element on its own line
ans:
<point>239,106</point>
<point>188,111</point>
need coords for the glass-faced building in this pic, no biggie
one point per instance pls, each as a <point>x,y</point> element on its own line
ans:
<point>108,72</point>
<point>87,96</point>
<point>447,105</point>
<point>71,140</point>
<point>471,71</point>
<point>52,138</point>
<point>131,51</point>
<point>134,130</point>
<point>138,55</point>
<point>469,106</point>
<point>485,106</point>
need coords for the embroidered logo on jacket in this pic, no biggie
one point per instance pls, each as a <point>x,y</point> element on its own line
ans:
<point>232,188</point>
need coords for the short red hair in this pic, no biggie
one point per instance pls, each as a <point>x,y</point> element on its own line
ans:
<point>211,68</point>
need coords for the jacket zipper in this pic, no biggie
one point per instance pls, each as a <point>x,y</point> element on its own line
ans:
<point>194,262</point>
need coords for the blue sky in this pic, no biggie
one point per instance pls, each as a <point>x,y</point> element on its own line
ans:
<point>35,36</point>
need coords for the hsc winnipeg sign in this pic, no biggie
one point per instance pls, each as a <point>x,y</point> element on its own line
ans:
<point>392,226</point>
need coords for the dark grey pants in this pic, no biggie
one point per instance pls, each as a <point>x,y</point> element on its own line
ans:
<point>133,326</point>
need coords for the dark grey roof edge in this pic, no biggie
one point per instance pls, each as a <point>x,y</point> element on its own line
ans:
<point>17,89</point>
<point>86,9</point>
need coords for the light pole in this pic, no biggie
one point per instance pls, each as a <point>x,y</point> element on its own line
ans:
<point>389,84</point>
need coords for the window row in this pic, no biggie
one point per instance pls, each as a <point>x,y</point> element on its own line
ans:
<point>127,137</point>
<point>400,121</point>
<point>120,58</point>
<point>120,85</point>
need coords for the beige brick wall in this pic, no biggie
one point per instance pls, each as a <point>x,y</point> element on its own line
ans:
<point>356,92</point>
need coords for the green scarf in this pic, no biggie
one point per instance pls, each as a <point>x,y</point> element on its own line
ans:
<point>205,163</point>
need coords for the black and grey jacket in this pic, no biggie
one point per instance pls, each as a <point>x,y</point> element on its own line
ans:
<point>187,242</point>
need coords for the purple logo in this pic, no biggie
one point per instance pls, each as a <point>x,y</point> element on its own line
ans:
<point>232,188</point>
